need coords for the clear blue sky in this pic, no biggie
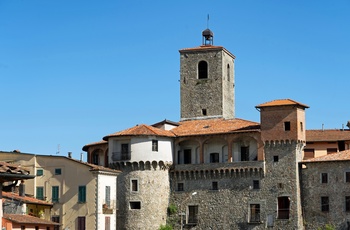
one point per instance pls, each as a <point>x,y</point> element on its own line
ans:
<point>72,72</point>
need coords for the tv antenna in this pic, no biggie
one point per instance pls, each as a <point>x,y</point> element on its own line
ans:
<point>58,149</point>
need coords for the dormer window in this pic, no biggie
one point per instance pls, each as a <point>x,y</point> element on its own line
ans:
<point>202,70</point>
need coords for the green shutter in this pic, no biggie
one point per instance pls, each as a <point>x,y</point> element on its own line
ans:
<point>55,194</point>
<point>82,194</point>
<point>40,193</point>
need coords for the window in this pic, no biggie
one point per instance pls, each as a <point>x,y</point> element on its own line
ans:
<point>256,184</point>
<point>36,227</point>
<point>324,178</point>
<point>283,207</point>
<point>347,203</point>
<point>309,153</point>
<point>287,126</point>
<point>204,112</point>
<point>135,205</point>
<point>134,185</point>
<point>23,227</point>
<point>331,150</point>
<point>301,126</point>
<point>214,157</point>
<point>39,172</point>
<point>56,219</point>
<point>155,145</point>
<point>55,194</point>
<point>347,177</point>
<point>180,187</point>
<point>95,158</point>
<point>202,70</point>
<point>125,151</point>
<point>40,193</point>
<point>254,213</point>
<point>58,171</point>
<point>228,72</point>
<point>187,156</point>
<point>107,223</point>
<point>192,214</point>
<point>108,196</point>
<point>275,158</point>
<point>244,153</point>
<point>324,203</point>
<point>82,194</point>
<point>81,222</point>
<point>214,185</point>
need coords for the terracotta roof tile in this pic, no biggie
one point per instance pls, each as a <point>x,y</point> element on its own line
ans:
<point>25,199</point>
<point>85,147</point>
<point>141,130</point>
<point>214,126</point>
<point>12,169</point>
<point>327,135</point>
<point>207,47</point>
<point>26,219</point>
<point>280,102</point>
<point>339,156</point>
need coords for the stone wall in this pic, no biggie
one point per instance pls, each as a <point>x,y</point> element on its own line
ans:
<point>215,93</point>
<point>153,195</point>
<point>336,189</point>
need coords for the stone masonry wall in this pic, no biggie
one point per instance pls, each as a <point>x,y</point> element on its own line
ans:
<point>153,193</point>
<point>336,189</point>
<point>198,94</point>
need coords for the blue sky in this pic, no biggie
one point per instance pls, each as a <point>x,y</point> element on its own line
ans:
<point>72,72</point>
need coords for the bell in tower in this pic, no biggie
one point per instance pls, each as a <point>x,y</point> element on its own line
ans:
<point>208,37</point>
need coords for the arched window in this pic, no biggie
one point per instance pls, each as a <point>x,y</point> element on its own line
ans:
<point>214,157</point>
<point>202,70</point>
<point>228,72</point>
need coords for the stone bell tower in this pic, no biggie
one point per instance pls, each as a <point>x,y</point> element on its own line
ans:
<point>207,81</point>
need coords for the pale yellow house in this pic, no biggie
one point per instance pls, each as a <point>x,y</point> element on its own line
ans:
<point>82,194</point>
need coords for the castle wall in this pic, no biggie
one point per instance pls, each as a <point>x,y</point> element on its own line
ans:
<point>336,189</point>
<point>152,194</point>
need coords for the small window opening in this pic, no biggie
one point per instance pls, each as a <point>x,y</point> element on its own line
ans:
<point>324,178</point>
<point>134,185</point>
<point>256,184</point>
<point>275,158</point>
<point>325,204</point>
<point>347,203</point>
<point>214,157</point>
<point>204,112</point>
<point>301,126</point>
<point>155,145</point>
<point>214,185</point>
<point>180,187</point>
<point>135,205</point>
<point>202,70</point>
<point>287,126</point>
<point>347,177</point>
<point>228,72</point>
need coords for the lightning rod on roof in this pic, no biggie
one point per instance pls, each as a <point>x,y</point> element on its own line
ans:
<point>208,22</point>
<point>58,149</point>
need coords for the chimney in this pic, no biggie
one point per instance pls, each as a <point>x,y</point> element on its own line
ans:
<point>69,154</point>
<point>22,189</point>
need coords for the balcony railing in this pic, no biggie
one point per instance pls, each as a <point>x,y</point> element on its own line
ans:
<point>121,156</point>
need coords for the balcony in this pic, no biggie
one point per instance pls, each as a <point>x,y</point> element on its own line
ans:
<point>121,156</point>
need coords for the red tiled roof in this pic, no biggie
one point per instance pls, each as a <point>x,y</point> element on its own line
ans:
<point>85,148</point>
<point>12,169</point>
<point>207,47</point>
<point>280,102</point>
<point>26,219</point>
<point>25,199</point>
<point>141,130</point>
<point>339,156</point>
<point>214,126</point>
<point>327,135</point>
